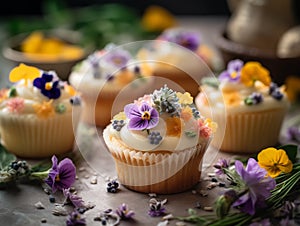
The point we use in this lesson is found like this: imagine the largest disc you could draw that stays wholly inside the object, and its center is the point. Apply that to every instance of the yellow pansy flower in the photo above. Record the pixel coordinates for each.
(44, 110)
(23, 71)
(184, 98)
(274, 161)
(253, 71)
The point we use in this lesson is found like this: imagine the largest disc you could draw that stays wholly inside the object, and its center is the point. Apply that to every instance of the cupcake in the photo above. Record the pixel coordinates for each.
(107, 79)
(39, 113)
(255, 107)
(158, 142)
(181, 56)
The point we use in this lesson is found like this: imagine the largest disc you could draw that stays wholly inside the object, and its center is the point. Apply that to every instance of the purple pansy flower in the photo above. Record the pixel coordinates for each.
(73, 198)
(293, 133)
(232, 73)
(141, 116)
(187, 39)
(62, 175)
(75, 219)
(123, 212)
(118, 58)
(157, 208)
(258, 186)
(48, 87)
(263, 222)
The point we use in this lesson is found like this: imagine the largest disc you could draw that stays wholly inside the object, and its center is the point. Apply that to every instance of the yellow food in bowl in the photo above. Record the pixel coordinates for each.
(39, 47)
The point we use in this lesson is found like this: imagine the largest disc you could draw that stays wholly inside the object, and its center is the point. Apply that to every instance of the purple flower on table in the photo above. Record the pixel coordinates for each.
(157, 208)
(233, 71)
(141, 117)
(124, 212)
(293, 133)
(75, 219)
(221, 165)
(62, 175)
(48, 85)
(72, 198)
(257, 186)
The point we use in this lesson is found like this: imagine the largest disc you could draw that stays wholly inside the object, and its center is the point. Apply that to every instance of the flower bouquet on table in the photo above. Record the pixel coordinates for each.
(259, 191)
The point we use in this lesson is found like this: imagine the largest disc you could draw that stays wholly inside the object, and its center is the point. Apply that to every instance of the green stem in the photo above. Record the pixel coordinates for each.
(39, 175)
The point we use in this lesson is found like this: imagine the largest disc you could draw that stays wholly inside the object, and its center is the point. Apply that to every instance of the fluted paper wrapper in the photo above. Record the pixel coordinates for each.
(251, 132)
(161, 172)
(31, 137)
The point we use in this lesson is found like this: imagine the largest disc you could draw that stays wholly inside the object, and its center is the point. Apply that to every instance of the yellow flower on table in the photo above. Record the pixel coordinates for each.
(275, 161)
(253, 71)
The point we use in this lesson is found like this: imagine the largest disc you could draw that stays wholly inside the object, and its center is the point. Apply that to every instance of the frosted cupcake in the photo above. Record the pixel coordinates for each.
(184, 62)
(158, 142)
(107, 80)
(255, 107)
(39, 113)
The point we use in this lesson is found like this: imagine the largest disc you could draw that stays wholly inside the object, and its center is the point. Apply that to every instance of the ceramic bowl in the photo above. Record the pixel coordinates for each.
(11, 51)
(280, 68)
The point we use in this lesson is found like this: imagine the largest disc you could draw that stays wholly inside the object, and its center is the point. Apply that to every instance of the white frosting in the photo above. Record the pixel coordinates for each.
(217, 98)
(33, 96)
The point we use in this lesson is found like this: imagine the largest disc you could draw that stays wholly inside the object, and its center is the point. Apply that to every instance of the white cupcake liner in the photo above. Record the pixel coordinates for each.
(251, 132)
(32, 137)
(156, 171)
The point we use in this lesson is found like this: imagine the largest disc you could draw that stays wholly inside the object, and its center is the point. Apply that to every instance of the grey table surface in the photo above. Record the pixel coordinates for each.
(17, 202)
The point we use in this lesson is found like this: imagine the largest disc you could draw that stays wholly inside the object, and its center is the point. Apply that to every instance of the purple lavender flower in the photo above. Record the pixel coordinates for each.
(124, 212)
(221, 165)
(75, 219)
(141, 117)
(72, 198)
(232, 73)
(118, 58)
(61, 175)
(257, 186)
(48, 87)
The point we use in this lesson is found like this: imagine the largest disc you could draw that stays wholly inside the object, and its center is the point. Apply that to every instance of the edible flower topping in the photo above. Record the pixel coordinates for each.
(3, 94)
(184, 98)
(233, 71)
(118, 58)
(48, 87)
(23, 72)
(274, 161)
(15, 105)
(253, 71)
(187, 39)
(257, 186)
(45, 109)
(141, 117)
(61, 175)
(166, 100)
(154, 137)
(254, 98)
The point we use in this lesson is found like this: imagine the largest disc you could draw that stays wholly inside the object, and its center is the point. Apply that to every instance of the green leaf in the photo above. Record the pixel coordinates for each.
(5, 157)
(291, 151)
